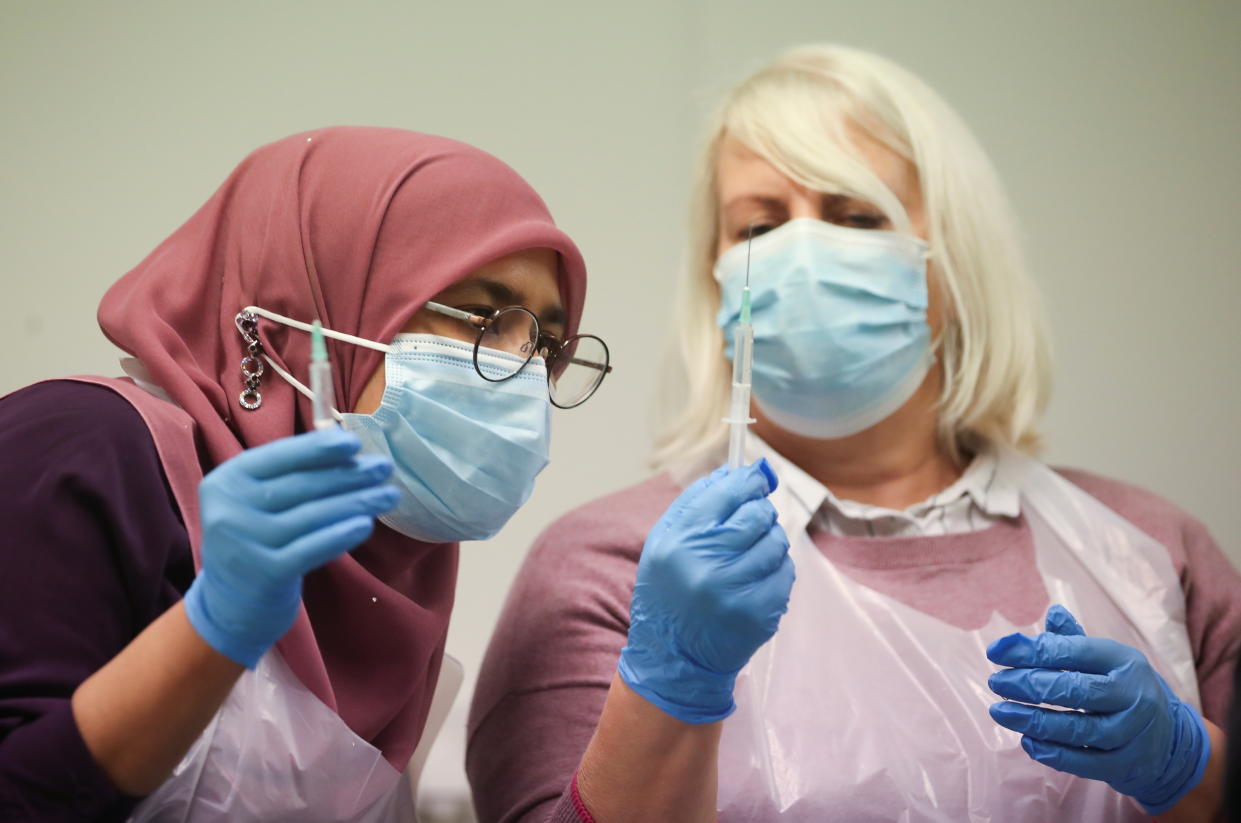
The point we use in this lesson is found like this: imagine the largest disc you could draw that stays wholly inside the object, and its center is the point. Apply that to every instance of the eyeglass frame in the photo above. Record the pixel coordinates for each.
(540, 347)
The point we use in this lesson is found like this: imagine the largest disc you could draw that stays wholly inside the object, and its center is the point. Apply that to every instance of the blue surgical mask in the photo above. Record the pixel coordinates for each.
(466, 450)
(841, 339)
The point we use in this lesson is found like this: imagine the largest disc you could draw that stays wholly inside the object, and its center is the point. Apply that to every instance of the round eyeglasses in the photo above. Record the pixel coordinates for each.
(575, 366)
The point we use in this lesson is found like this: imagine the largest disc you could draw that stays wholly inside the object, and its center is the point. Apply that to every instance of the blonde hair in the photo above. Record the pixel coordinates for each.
(794, 113)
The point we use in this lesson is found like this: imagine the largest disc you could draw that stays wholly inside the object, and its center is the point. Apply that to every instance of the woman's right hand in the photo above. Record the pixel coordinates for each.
(270, 515)
(713, 581)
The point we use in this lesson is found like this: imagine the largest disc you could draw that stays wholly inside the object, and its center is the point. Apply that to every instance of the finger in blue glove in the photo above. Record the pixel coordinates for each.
(269, 516)
(1127, 728)
(712, 583)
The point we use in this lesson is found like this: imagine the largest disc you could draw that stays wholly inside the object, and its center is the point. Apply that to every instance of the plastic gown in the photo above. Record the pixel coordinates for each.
(864, 709)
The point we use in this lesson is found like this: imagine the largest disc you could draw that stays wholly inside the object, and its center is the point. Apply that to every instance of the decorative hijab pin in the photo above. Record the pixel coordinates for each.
(252, 363)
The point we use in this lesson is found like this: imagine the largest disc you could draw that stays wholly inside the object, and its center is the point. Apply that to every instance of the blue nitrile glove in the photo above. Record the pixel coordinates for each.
(712, 583)
(270, 515)
(1133, 733)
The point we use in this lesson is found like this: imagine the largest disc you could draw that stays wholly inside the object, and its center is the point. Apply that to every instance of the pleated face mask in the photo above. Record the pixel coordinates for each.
(841, 339)
(466, 450)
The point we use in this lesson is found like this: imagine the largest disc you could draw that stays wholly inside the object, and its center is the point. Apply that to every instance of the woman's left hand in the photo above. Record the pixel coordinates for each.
(1132, 732)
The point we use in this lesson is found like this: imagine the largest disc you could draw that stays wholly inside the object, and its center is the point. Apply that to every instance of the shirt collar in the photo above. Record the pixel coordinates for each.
(988, 480)
(985, 481)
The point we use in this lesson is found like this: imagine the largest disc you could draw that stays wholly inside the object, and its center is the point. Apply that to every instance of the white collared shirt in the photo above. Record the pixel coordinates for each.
(980, 497)
(983, 494)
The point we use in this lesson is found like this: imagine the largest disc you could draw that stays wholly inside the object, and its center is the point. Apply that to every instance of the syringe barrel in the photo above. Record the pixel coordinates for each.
(743, 356)
(321, 388)
(739, 401)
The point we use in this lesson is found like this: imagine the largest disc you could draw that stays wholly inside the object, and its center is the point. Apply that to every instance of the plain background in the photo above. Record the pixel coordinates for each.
(1115, 126)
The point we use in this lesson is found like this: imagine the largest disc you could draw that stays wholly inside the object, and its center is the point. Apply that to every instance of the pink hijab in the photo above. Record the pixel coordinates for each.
(358, 227)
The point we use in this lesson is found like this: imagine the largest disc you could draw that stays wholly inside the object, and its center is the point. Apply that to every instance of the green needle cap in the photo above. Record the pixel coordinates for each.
(318, 349)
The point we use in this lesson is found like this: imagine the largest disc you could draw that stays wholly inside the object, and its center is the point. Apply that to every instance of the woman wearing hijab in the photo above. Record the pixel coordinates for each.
(900, 369)
(196, 603)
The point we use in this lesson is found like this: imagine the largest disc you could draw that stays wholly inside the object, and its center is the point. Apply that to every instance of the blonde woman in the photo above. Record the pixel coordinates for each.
(900, 369)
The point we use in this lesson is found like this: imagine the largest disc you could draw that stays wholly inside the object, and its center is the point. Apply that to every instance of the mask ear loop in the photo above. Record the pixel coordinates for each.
(306, 327)
(301, 387)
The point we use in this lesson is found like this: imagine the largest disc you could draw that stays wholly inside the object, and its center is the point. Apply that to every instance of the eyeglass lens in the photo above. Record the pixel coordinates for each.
(514, 330)
(576, 371)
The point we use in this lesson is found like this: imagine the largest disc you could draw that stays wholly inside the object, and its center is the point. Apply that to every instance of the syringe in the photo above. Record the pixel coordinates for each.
(743, 353)
(320, 380)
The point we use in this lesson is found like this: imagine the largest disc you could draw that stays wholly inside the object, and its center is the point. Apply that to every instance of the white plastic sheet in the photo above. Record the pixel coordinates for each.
(864, 709)
(275, 753)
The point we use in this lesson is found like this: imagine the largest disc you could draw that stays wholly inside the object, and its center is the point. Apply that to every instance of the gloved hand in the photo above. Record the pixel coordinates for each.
(712, 583)
(1134, 734)
(270, 515)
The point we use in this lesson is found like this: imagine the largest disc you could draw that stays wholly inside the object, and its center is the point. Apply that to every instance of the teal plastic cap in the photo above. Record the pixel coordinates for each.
(318, 349)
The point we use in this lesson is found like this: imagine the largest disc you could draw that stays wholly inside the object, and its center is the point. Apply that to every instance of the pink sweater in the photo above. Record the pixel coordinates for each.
(555, 648)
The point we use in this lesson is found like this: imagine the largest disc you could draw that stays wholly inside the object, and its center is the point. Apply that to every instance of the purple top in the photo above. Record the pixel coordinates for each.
(553, 655)
(94, 550)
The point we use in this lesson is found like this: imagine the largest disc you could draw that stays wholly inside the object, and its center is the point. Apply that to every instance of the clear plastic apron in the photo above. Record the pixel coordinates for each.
(275, 753)
(864, 709)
